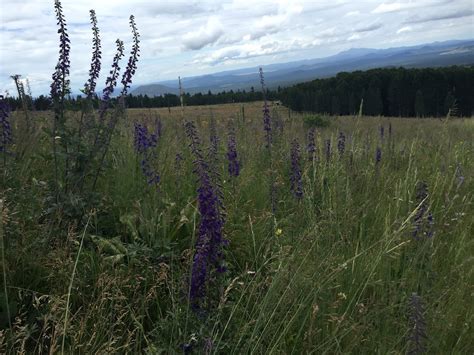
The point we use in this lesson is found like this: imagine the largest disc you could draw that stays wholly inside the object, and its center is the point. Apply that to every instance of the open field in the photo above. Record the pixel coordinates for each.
(373, 255)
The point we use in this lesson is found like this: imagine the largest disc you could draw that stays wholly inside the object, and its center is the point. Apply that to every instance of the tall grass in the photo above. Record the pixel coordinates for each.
(335, 276)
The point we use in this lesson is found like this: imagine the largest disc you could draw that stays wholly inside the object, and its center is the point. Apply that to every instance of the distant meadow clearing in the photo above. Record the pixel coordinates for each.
(231, 229)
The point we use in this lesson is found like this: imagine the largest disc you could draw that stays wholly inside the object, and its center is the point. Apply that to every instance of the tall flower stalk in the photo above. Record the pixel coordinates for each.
(233, 162)
(311, 145)
(296, 184)
(5, 129)
(328, 151)
(59, 90)
(212, 154)
(87, 121)
(378, 156)
(214, 164)
(110, 84)
(24, 99)
(417, 333)
(94, 71)
(145, 144)
(60, 84)
(267, 120)
(208, 256)
(341, 144)
(267, 127)
(132, 60)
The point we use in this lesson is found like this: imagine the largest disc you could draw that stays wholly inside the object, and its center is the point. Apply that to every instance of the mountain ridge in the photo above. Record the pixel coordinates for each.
(434, 54)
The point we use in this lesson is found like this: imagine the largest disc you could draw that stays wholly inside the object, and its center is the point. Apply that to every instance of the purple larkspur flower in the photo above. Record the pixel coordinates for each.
(213, 144)
(430, 225)
(208, 346)
(296, 185)
(132, 61)
(382, 132)
(111, 80)
(5, 126)
(94, 71)
(213, 163)
(341, 143)
(208, 255)
(328, 150)
(417, 333)
(144, 144)
(378, 156)
(267, 120)
(140, 138)
(60, 84)
(232, 158)
(311, 145)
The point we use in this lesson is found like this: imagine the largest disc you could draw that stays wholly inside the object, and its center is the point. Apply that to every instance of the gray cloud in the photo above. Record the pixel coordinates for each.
(369, 28)
(439, 17)
(182, 8)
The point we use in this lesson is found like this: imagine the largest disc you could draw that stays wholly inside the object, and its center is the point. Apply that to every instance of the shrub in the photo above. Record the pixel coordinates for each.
(312, 120)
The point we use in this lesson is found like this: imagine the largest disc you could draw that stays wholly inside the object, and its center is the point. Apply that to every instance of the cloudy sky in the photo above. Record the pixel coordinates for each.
(189, 38)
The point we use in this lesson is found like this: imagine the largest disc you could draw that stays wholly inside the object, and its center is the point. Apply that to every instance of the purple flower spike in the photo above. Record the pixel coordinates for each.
(417, 325)
(295, 177)
(5, 127)
(132, 61)
(378, 156)
(111, 80)
(144, 144)
(94, 71)
(208, 255)
(267, 120)
(60, 84)
(328, 150)
(233, 161)
(311, 146)
(341, 144)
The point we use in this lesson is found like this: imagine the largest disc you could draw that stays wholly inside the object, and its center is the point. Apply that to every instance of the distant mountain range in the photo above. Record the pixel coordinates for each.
(435, 54)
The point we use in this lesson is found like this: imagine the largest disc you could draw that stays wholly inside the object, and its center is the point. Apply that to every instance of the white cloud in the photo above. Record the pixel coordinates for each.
(392, 7)
(352, 13)
(404, 29)
(204, 36)
(354, 37)
(238, 53)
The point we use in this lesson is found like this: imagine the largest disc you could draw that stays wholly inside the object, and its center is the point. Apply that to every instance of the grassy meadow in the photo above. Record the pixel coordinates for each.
(360, 263)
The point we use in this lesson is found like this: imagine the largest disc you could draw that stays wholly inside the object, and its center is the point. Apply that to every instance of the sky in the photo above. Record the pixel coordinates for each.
(189, 38)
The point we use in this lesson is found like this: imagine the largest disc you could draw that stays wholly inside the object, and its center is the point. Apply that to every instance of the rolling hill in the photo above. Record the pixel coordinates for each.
(426, 55)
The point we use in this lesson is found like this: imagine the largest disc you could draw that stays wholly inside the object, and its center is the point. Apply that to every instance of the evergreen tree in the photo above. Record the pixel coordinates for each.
(449, 103)
(419, 104)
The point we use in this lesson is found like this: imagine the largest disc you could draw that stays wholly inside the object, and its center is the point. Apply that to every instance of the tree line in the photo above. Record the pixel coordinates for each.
(42, 102)
(400, 92)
